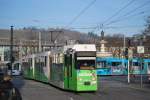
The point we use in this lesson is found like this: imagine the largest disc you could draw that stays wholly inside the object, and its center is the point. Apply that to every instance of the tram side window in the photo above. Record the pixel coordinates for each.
(45, 61)
(16, 66)
(42, 61)
(53, 60)
(36, 62)
(135, 64)
(142, 65)
(60, 60)
(25, 64)
(125, 64)
(101, 64)
(65, 60)
(30, 62)
(116, 63)
(70, 64)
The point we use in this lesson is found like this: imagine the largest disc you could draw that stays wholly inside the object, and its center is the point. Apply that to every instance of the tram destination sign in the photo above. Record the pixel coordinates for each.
(86, 54)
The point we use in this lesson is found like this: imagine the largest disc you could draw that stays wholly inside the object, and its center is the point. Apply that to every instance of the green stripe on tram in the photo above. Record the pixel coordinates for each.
(40, 76)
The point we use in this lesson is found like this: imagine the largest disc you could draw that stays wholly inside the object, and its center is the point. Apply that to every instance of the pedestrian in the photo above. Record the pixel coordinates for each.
(7, 90)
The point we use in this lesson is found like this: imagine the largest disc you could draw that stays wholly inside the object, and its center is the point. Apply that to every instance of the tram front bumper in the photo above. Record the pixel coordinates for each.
(87, 86)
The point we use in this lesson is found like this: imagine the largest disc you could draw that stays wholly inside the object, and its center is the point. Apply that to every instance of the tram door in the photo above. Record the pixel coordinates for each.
(68, 70)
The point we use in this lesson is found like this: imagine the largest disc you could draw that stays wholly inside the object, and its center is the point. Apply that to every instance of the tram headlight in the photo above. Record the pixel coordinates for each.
(94, 79)
(93, 82)
(79, 79)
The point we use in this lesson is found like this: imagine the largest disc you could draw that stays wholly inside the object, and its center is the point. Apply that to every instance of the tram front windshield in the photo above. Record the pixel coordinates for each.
(86, 64)
(116, 63)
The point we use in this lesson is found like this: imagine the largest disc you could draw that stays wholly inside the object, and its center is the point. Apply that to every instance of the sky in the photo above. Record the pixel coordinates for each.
(113, 16)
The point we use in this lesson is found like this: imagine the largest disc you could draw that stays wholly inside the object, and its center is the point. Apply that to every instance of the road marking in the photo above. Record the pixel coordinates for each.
(141, 89)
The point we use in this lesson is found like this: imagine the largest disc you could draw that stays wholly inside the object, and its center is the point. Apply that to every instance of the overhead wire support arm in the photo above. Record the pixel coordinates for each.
(11, 50)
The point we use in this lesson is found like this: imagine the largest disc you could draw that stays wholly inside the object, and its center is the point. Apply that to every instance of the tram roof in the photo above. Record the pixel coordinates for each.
(146, 60)
(112, 59)
(81, 47)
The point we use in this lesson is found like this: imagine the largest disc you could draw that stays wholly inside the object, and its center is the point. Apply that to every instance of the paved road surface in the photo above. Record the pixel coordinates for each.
(108, 90)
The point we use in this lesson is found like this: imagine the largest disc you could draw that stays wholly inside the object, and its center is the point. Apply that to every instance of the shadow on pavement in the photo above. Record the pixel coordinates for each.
(18, 82)
(135, 80)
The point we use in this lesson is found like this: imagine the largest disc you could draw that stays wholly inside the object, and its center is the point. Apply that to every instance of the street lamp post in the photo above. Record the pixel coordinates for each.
(141, 60)
(129, 59)
(11, 50)
(140, 50)
(141, 76)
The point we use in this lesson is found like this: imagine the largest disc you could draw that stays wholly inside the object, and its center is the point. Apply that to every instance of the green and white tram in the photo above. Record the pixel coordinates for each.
(71, 68)
(27, 66)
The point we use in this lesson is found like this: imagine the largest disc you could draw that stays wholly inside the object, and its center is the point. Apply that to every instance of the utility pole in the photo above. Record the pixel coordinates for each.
(20, 49)
(51, 33)
(124, 42)
(141, 76)
(39, 41)
(141, 60)
(128, 71)
(129, 44)
(11, 50)
(124, 49)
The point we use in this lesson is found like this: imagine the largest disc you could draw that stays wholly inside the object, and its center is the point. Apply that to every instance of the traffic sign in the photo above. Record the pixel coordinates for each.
(140, 49)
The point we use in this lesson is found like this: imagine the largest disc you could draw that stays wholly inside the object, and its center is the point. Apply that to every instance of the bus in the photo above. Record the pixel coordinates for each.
(72, 67)
(111, 66)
